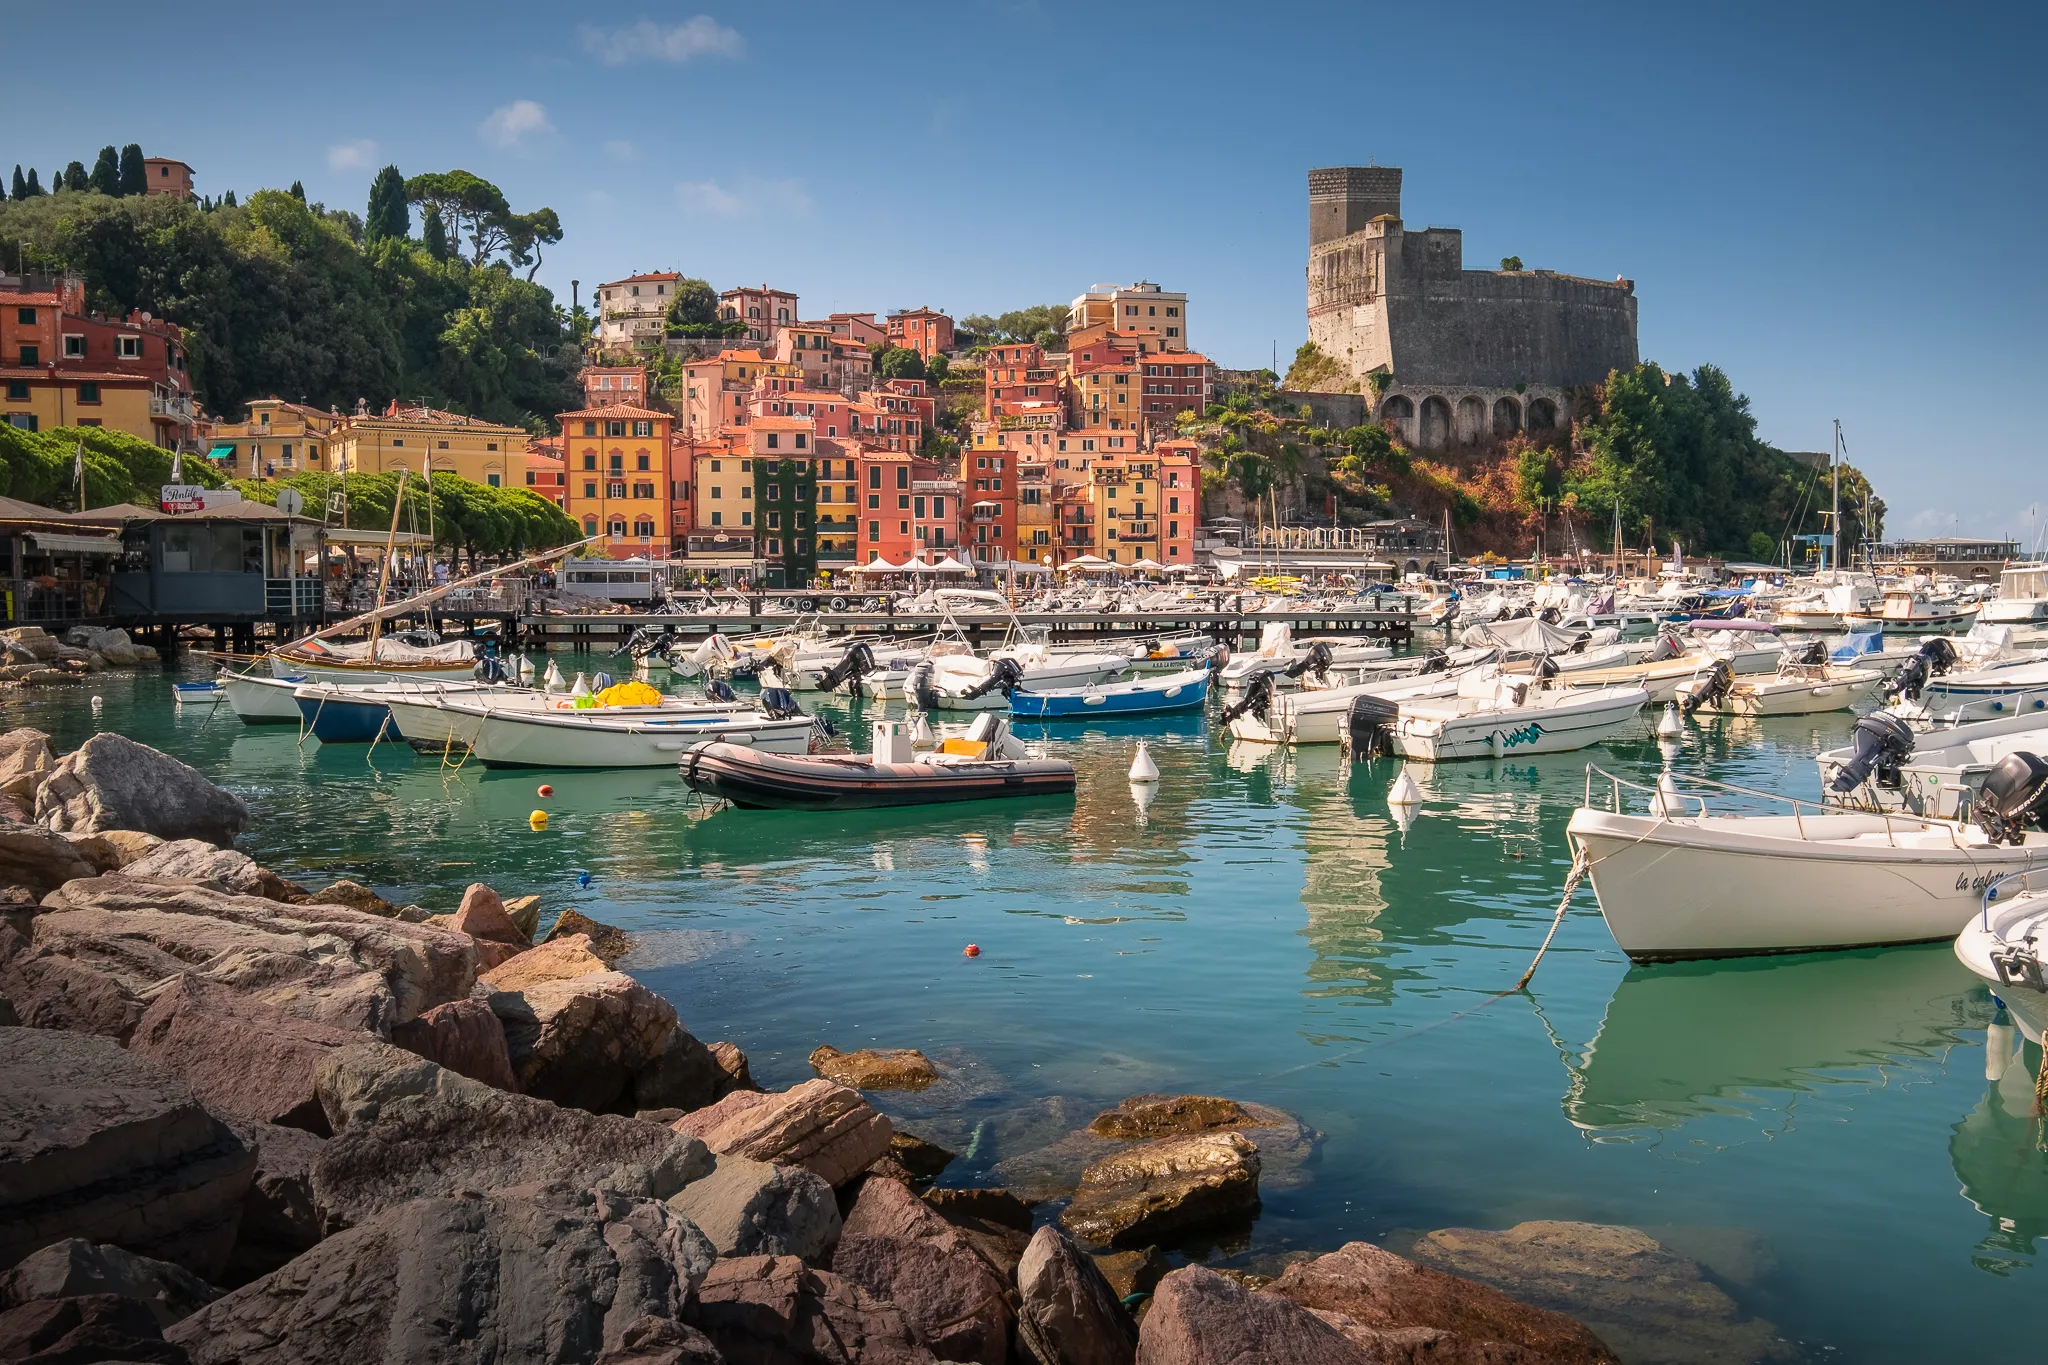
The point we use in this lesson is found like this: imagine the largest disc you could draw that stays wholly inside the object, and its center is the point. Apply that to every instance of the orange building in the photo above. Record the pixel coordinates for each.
(923, 330)
(62, 366)
(605, 384)
(620, 481)
(166, 176)
(762, 309)
(884, 478)
(1173, 383)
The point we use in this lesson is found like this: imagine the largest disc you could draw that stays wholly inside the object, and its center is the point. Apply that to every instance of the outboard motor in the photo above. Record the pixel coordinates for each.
(1720, 678)
(855, 664)
(778, 704)
(1003, 673)
(1667, 647)
(1436, 661)
(1369, 727)
(1585, 637)
(2015, 792)
(718, 689)
(1883, 742)
(1816, 652)
(1257, 698)
(918, 687)
(1316, 661)
(1934, 658)
(489, 669)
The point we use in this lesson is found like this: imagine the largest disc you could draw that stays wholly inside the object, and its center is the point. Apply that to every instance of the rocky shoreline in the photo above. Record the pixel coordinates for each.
(246, 1121)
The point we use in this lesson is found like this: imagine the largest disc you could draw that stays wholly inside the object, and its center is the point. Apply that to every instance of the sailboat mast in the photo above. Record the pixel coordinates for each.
(1835, 517)
(384, 574)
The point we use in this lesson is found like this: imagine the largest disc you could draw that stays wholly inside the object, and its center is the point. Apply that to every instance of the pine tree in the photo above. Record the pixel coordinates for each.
(389, 215)
(134, 175)
(106, 173)
(435, 234)
(20, 185)
(74, 177)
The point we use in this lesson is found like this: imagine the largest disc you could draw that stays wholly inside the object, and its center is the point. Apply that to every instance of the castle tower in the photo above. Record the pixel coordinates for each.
(1343, 199)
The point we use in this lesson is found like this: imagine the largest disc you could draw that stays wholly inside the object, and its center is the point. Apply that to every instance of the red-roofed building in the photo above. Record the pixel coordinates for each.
(923, 330)
(762, 309)
(621, 483)
(633, 312)
(603, 384)
(62, 366)
(544, 471)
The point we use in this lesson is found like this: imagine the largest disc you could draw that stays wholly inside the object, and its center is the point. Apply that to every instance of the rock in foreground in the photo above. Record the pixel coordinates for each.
(102, 1144)
(88, 1329)
(111, 782)
(555, 1275)
(756, 1208)
(1157, 1191)
(74, 1266)
(900, 1068)
(897, 1248)
(777, 1309)
(1201, 1318)
(240, 1056)
(581, 1042)
(825, 1128)
(1069, 1314)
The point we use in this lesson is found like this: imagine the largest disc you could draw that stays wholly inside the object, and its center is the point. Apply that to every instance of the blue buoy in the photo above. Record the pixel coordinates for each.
(582, 879)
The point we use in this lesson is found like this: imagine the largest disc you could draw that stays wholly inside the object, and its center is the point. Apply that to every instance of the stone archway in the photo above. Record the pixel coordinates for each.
(1542, 414)
(1397, 415)
(1507, 417)
(1435, 421)
(1471, 420)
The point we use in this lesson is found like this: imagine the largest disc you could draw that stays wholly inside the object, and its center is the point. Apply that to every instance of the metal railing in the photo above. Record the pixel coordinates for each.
(1658, 798)
(293, 597)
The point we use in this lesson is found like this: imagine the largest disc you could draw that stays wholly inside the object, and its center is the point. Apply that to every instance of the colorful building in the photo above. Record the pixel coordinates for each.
(620, 484)
(633, 312)
(410, 437)
(762, 309)
(1153, 317)
(276, 439)
(545, 471)
(167, 176)
(62, 366)
(605, 384)
(924, 330)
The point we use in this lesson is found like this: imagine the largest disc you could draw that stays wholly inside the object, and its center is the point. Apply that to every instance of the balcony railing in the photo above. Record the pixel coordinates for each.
(180, 408)
(292, 598)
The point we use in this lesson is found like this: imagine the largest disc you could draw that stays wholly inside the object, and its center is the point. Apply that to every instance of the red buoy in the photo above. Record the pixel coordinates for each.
(973, 950)
(546, 790)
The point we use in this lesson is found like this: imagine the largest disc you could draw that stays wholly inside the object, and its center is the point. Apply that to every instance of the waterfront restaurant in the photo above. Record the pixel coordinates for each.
(236, 563)
(57, 569)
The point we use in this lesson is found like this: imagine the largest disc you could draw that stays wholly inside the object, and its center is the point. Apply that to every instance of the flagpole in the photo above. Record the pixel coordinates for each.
(78, 463)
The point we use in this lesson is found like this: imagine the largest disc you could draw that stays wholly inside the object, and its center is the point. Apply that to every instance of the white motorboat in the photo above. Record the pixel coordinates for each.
(1660, 678)
(2004, 943)
(507, 738)
(1324, 715)
(434, 720)
(258, 700)
(1979, 676)
(1696, 885)
(1796, 689)
(2022, 601)
(1831, 607)
(962, 682)
(1492, 716)
(1890, 766)
(1278, 650)
(1912, 611)
(388, 659)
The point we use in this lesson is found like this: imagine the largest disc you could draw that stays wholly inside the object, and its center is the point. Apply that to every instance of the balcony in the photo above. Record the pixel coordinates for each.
(291, 598)
(179, 409)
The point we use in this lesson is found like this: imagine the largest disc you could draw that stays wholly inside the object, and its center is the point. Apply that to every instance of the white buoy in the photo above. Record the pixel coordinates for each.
(1404, 816)
(1404, 792)
(1667, 801)
(526, 670)
(1143, 769)
(1143, 793)
(97, 703)
(581, 687)
(1670, 727)
(1997, 1049)
(555, 681)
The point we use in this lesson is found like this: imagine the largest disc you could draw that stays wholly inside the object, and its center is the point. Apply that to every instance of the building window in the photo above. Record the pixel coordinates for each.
(615, 428)
(529, 478)
(17, 391)
(799, 440)
(31, 356)
(89, 392)
(74, 346)
(746, 518)
(590, 428)
(615, 489)
(774, 441)
(617, 526)
(25, 316)
(643, 428)
(490, 445)
(590, 526)
(589, 488)
(874, 530)
(400, 444)
(641, 463)
(718, 518)
(590, 459)
(491, 479)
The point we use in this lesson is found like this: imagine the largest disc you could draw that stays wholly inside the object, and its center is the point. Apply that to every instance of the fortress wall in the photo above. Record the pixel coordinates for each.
(1496, 330)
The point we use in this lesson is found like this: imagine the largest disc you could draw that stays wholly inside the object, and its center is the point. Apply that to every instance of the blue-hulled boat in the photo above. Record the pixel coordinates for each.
(1183, 691)
(339, 714)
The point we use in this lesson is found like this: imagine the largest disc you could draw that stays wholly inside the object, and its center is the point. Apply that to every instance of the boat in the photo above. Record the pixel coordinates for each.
(1890, 766)
(257, 700)
(1976, 677)
(985, 764)
(1183, 691)
(387, 659)
(2022, 601)
(335, 713)
(1494, 714)
(198, 693)
(1797, 689)
(962, 682)
(1173, 653)
(1832, 607)
(1279, 651)
(439, 718)
(2003, 944)
(1330, 715)
(1915, 611)
(612, 738)
(1687, 884)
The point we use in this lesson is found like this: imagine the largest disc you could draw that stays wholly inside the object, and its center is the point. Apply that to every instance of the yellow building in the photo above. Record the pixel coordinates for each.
(1126, 496)
(278, 438)
(482, 452)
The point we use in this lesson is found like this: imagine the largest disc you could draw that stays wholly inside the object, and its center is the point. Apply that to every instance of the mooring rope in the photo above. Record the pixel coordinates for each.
(1580, 864)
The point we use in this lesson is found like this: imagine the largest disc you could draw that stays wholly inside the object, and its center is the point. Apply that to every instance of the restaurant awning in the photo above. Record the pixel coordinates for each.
(57, 542)
(222, 452)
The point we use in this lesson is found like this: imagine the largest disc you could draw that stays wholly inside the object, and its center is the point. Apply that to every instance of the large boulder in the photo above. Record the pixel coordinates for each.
(1067, 1312)
(355, 896)
(1156, 1191)
(74, 1266)
(83, 1331)
(26, 759)
(1401, 1311)
(896, 1068)
(99, 1143)
(662, 1341)
(607, 942)
(464, 1036)
(995, 1222)
(559, 959)
(898, 1249)
(525, 914)
(407, 1129)
(111, 782)
(554, 1273)
(756, 1208)
(1143, 1117)
(279, 1217)
(482, 916)
(1647, 1302)
(825, 1128)
(223, 869)
(1198, 1317)
(318, 962)
(685, 1076)
(777, 1309)
(1049, 1170)
(39, 859)
(30, 644)
(581, 1042)
(240, 1056)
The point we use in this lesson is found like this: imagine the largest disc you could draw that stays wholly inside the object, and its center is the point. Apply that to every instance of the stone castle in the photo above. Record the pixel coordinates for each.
(1445, 355)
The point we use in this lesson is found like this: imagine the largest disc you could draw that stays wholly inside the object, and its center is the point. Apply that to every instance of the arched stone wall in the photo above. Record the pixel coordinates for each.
(1397, 414)
(1471, 420)
(1542, 414)
(1434, 419)
(1507, 417)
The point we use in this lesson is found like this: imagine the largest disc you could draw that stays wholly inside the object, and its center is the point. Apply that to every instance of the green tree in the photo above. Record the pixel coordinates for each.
(1535, 477)
(1314, 370)
(389, 215)
(134, 174)
(229, 199)
(20, 185)
(74, 178)
(106, 173)
(1511, 263)
(692, 309)
(435, 233)
(1762, 548)
(937, 368)
(527, 233)
(298, 191)
(899, 362)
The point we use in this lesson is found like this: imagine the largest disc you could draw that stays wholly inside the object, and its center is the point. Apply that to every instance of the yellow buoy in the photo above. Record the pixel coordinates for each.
(539, 819)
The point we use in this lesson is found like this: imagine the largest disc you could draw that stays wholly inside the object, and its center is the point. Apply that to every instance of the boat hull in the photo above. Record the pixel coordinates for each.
(1673, 890)
(761, 781)
(514, 740)
(1793, 697)
(1173, 692)
(2028, 1006)
(263, 701)
(334, 718)
(1537, 730)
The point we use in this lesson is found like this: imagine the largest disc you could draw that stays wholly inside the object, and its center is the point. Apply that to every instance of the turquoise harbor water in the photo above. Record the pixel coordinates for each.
(1820, 1131)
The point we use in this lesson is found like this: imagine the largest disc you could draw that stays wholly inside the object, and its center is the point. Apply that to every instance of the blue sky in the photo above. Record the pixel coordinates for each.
(1841, 205)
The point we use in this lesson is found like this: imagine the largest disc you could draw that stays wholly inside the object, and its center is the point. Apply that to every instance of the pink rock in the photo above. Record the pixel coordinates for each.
(464, 1036)
(825, 1128)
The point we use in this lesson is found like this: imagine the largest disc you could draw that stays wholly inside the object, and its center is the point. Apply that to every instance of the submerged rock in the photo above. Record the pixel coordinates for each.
(355, 896)
(1069, 1314)
(100, 1143)
(582, 1041)
(608, 943)
(875, 1068)
(825, 1128)
(1646, 1302)
(1051, 1169)
(1155, 1116)
(1158, 1191)
(756, 1208)
(1198, 1317)
(555, 1274)
(1401, 1311)
(111, 782)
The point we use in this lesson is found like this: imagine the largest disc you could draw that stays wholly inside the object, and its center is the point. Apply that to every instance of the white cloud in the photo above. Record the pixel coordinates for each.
(743, 199)
(619, 150)
(351, 156)
(648, 41)
(512, 124)
(1933, 521)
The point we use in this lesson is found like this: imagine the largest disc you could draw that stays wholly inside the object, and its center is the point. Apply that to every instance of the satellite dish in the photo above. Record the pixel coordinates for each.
(291, 502)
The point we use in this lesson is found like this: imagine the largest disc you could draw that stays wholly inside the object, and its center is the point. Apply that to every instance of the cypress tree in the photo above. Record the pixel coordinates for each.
(228, 199)
(299, 191)
(435, 234)
(33, 188)
(106, 173)
(74, 178)
(20, 185)
(389, 215)
(134, 175)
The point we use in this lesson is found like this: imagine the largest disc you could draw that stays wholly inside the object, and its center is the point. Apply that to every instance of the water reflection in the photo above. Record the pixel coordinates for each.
(2000, 1154)
(1744, 1040)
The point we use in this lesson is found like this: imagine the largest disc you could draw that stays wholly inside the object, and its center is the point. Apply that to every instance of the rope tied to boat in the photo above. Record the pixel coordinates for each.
(2041, 1084)
(1580, 865)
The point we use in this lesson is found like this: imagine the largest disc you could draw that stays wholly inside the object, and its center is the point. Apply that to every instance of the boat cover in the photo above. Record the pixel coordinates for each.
(389, 651)
(1528, 635)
